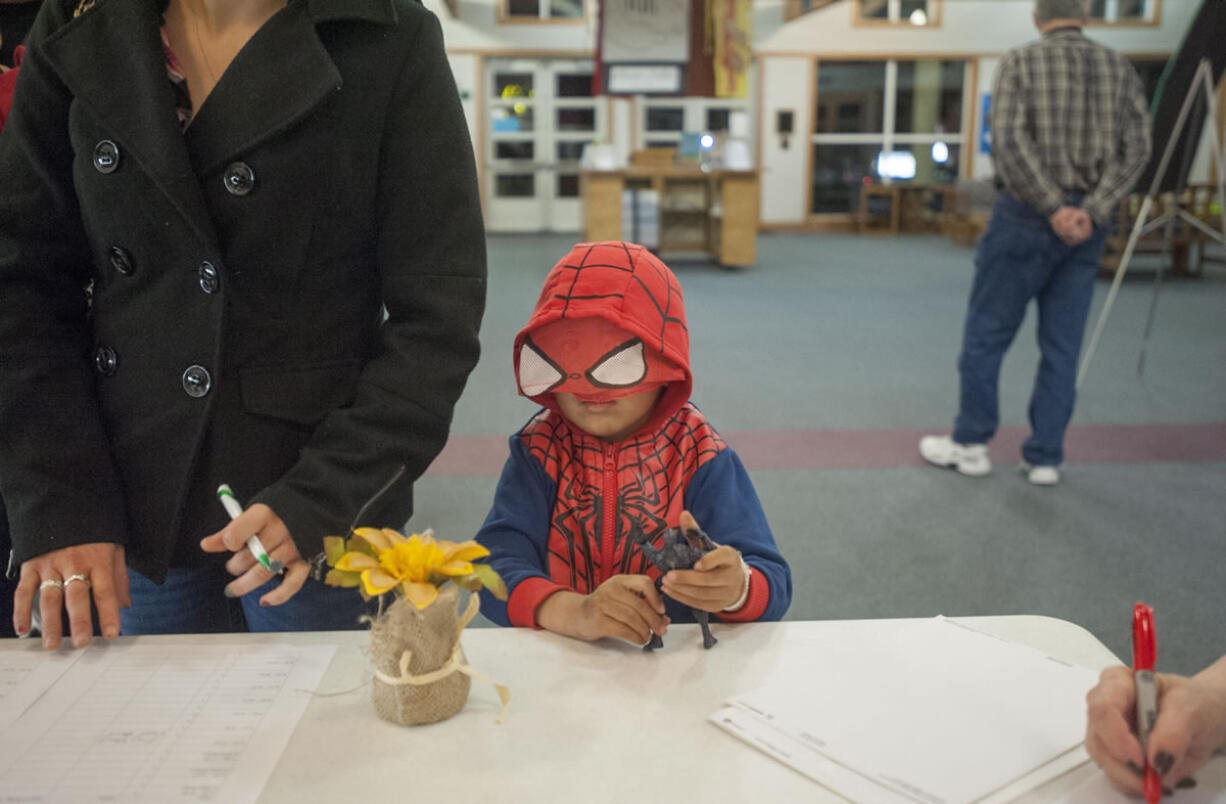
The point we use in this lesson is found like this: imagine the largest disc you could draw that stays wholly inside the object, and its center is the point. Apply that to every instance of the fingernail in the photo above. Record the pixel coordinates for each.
(1136, 771)
(110, 633)
(1163, 762)
(265, 603)
(1186, 783)
(228, 592)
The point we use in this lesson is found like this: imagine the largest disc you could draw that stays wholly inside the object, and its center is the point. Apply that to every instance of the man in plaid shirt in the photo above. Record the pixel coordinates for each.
(1070, 135)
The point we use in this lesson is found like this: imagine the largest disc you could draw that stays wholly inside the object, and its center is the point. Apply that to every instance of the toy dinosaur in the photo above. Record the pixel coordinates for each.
(681, 550)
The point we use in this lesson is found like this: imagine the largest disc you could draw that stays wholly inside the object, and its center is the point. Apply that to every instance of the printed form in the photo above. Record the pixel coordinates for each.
(928, 712)
(25, 675)
(167, 724)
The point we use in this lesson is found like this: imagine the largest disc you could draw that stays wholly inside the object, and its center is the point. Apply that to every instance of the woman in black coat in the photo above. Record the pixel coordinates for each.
(273, 279)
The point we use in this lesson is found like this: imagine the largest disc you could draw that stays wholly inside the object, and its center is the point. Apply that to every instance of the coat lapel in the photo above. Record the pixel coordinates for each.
(280, 75)
(111, 60)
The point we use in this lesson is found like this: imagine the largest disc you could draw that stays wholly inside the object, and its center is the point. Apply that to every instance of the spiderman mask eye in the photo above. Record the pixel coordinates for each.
(622, 367)
(537, 373)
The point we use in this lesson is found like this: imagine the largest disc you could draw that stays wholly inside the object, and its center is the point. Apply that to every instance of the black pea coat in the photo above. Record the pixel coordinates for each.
(286, 297)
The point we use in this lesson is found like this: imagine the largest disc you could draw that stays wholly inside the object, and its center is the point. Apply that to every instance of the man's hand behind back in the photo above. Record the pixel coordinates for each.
(1073, 225)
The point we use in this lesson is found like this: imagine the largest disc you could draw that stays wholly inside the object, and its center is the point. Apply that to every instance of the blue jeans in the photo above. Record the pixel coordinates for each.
(191, 601)
(1018, 259)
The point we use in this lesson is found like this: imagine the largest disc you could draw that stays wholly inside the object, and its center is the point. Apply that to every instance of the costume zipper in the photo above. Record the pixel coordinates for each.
(608, 505)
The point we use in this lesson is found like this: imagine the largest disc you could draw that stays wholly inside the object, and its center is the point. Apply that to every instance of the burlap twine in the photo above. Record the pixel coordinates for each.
(420, 672)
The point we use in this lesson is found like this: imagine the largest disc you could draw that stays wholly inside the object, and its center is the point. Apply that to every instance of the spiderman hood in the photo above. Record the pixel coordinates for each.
(610, 322)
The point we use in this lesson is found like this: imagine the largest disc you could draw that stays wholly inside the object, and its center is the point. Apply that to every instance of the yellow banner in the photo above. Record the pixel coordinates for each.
(731, 27)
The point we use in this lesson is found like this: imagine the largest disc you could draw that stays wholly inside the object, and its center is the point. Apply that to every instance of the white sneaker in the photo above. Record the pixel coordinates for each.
(1041, 475)
(968, 459)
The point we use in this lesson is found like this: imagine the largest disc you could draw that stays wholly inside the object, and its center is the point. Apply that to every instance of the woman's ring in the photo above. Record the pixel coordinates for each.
(50, 582)
(77, 577)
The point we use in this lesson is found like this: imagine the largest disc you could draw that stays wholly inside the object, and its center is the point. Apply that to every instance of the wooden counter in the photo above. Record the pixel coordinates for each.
(714, 212)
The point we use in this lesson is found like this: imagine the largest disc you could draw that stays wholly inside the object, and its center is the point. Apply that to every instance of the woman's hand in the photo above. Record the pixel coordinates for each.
(1191, 726)
(715, 582)
(67, 579)
(260, 520)
(628, 607)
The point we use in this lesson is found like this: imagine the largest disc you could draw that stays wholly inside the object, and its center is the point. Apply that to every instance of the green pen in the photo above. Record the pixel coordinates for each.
(233, 508)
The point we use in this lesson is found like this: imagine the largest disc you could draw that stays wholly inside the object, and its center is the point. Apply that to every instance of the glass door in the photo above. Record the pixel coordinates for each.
(541, 113)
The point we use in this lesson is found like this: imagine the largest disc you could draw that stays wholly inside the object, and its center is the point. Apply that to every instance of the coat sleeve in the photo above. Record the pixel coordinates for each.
(725, 505)
(57, 477)
(431, 263)
(516, 532)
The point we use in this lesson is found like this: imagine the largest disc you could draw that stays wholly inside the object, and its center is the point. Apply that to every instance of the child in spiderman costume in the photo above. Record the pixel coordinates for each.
(619, 444)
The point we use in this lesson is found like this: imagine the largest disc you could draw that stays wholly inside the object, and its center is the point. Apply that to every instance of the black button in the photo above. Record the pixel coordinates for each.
(121, 261)
(239, 178)
(106, 156)
(210, 280)
(196, 381)
(105, 360)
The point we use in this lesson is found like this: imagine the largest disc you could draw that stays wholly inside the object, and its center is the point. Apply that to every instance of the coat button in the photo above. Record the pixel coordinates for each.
(196, 381)
(239, 178)
(106, 156)
(105, 361)
(210, 280)
(121, 261)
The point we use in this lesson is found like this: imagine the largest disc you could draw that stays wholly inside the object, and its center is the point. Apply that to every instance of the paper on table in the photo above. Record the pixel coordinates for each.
(931, 710)
(27, 674)
(161, 724)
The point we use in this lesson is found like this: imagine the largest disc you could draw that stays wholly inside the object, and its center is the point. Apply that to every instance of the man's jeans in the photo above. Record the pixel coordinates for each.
(191, 601)
(1018, 259)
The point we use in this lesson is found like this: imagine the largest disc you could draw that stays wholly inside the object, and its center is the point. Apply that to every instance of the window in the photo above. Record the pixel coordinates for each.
(662, 121)
(885, 121)
(540, 10)
(918, 13)
(1124, 12)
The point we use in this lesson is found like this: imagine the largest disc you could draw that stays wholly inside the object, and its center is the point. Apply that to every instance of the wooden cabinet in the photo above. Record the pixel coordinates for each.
(715, 212)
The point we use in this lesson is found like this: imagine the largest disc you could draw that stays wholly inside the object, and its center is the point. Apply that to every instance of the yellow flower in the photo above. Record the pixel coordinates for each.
(385, 560)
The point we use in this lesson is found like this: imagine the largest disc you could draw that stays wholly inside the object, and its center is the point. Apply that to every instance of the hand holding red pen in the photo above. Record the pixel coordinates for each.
(1191, 726)
(1144, 654)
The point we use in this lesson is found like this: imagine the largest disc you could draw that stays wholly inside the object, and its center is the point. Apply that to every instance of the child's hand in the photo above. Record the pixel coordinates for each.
(716, 581)
(626, 606)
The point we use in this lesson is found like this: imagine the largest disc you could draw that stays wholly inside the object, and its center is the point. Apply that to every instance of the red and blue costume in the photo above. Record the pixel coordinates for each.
(609, 322)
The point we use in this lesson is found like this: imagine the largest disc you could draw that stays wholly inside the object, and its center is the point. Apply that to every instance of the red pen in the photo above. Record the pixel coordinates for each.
(1144, 652)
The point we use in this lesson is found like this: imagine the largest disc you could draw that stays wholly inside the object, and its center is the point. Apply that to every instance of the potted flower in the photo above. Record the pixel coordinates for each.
(420, 673)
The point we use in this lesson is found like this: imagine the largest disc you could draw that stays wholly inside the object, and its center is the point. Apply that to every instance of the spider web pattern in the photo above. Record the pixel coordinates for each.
(652, 475)
(642, 269)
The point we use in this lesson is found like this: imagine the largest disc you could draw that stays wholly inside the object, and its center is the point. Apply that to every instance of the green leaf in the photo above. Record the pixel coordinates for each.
(334, 548)
(359, 545)
(342, 578)
(491, 580)
(470, 582)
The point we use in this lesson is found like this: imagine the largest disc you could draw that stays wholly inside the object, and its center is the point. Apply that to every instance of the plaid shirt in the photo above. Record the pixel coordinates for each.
(1068, 115)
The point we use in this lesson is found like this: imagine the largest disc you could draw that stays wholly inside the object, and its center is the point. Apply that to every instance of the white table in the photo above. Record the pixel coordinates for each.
(587, 723)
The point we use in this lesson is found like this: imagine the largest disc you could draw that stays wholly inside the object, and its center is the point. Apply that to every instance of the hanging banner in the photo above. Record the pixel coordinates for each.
(731, 24)
(645, 31)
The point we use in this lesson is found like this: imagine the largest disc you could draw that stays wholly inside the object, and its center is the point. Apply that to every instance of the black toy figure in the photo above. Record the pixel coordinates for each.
(681, 550)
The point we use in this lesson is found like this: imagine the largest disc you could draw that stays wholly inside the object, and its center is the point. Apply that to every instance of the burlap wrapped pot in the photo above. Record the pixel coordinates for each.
(431, 636)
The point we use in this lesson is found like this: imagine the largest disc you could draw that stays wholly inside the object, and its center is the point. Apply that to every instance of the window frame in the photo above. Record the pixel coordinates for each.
(505, 17)
(964, 137)
(1153, 17)
(894, 18)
